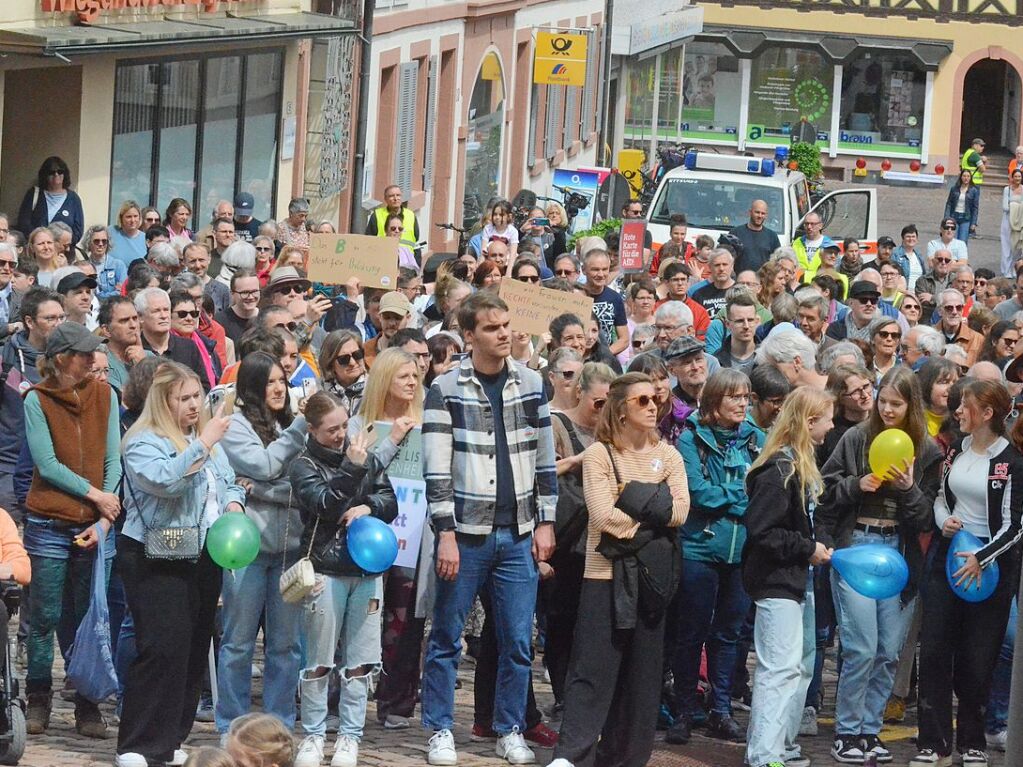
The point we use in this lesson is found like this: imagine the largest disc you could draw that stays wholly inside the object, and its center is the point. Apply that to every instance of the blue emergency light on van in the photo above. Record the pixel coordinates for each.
(781, 154)
(729, 163)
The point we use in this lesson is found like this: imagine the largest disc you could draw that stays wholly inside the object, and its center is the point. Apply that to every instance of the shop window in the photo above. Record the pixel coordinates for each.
(202, 128)
(882, 105)
(670, 93)
(639, 102)
(484, 137)
(788, 87)
(711, 93)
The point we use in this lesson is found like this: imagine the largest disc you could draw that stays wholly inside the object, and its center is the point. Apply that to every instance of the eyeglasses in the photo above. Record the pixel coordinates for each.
(863, 391)
(889, 335)
(534, 278)
(395, 229)
(345, 359)
(948, 228)
(100, 371)
(185, 313)
(285, 289)
(7, 263)
(597, 404)
(913, 307)
(264, 250)
(643, 400)
(104, 243)
(289, 326)
(152, 220)
(638, 344)
(886, 275)
(953, 308)
(246, 293)
(1010, 341)
(942, 260)
(564, 272)
(666, 328)
(869, 300)
(568, 375)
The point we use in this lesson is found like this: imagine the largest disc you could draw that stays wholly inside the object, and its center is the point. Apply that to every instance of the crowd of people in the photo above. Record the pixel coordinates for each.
(643, 495)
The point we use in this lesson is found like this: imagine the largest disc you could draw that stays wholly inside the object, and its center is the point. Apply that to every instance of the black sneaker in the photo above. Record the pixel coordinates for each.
(680, 732)
(871, 744)
(724, 727)
(847, 750)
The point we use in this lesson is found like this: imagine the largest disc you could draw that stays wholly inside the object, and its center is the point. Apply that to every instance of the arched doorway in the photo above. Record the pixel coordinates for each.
(991, 105)
(484, 138)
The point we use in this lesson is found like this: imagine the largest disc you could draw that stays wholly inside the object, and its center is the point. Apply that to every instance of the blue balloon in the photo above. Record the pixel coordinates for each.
(873, 570)
(966, 542)
(372, 544)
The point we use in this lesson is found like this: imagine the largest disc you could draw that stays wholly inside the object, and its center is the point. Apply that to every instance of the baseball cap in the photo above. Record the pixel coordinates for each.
(395, 302)
(683, 347)
(862, 289)
(885, 241)
(244, 204)
(74, 281)
(71, 337)
(978, 141)
(829, 244)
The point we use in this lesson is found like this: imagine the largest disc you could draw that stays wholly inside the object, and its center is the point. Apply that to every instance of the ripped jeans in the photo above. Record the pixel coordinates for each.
(348, 609)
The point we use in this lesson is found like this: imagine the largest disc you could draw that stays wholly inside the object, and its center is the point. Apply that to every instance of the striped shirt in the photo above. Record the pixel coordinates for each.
(661, 463)
(460, 456)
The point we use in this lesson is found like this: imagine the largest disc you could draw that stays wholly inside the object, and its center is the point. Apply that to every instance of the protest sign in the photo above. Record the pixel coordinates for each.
(630, 245)
(335, 258)
(532, 307)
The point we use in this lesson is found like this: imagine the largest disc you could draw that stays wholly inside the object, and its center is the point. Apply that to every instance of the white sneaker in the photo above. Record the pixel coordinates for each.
(179, 758)
(395, 722)
(442, 749)
(974, 757)
(998, 740)
(130, 759)
(808, 724)
(346, 752)
(513, 749)
(310, 752)
(561, 763)
(928, 757)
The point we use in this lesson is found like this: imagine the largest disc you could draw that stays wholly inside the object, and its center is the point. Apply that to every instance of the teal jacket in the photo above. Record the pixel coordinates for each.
(714, 530)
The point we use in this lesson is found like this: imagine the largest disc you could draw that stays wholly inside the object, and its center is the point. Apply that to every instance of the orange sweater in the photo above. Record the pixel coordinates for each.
(12, 552)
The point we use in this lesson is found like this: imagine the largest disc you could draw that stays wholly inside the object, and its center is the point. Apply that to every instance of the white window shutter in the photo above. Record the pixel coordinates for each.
(405, 143)
(554, 117)
(571, 115)
(431, 122)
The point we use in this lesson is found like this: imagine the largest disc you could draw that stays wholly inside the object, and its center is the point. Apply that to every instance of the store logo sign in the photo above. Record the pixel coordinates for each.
(89, 10)
(560, 59)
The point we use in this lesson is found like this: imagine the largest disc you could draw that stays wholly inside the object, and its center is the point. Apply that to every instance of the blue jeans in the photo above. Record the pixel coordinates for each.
(247, 592)
(503, 562)
(872, 633)
(998, 703)
(712, 606)
(784, 637)
(963, 223)
(348, 609)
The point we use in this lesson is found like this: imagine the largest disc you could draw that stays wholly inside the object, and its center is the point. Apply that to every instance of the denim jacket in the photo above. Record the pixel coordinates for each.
(159, 487)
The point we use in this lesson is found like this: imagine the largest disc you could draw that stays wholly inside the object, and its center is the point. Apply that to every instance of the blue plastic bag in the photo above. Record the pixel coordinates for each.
(91, 670)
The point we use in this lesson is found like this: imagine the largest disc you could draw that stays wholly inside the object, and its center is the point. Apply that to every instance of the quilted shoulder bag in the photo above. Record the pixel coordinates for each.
(173, 543)
(297, 582)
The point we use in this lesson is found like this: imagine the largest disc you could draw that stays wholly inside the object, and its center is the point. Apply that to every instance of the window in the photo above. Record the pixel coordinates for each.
(670, 93)
(201, 128)
(787, 86)
(882, 105)
(639, 102)
(712, 93)
(484, 136)
(717, 204)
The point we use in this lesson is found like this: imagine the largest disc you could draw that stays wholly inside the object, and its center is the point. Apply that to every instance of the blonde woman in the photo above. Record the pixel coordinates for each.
(42, 248)
(176, 475)
(127, 240)
(636, 493)
(784, 486)
(394, 396)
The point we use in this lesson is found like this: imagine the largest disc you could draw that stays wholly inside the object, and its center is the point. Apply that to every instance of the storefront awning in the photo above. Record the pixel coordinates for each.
(109, 38)
(745, 42)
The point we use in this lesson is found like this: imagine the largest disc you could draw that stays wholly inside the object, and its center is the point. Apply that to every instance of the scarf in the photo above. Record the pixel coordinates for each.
(207, 363)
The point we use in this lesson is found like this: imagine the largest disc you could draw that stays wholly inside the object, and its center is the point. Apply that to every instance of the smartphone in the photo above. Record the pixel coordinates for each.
(216, 397)
(309, 387)
(541, 222)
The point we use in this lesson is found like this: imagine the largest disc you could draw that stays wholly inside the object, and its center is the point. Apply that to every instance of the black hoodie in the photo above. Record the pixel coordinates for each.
(779, 533)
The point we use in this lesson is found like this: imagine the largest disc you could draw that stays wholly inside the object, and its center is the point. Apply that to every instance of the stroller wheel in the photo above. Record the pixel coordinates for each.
(11, 753)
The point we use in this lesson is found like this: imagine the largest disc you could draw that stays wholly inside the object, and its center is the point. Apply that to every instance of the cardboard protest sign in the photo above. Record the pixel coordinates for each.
(335, 258)
(532, 307)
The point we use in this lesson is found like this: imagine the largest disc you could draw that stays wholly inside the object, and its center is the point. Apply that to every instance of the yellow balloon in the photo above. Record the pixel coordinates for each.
(889, 448)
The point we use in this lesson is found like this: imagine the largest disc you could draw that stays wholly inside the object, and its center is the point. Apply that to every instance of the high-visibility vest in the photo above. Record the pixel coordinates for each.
(408, 220)
(978, 175)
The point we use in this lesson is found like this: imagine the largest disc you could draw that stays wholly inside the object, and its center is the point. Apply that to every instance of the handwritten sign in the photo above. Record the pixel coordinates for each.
(335, 258)
(406, 474)
(532, 308)
(630, 246)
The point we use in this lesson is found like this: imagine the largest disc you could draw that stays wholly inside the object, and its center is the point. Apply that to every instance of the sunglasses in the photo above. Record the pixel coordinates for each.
(296, 289)
(911, 307)
(948, 228)
(8, 263)
(643, 400)
(568, 375)
(289, 326)
(534, 278)
(104, 243)
(345, 359)
(264, 250)
(891, 335)
(638, 344)
(152, 220)
(564, 272)
(953, 307)
(599, 403)
(869, 300)
(943, 260)
(1010, 341)
(184, 313)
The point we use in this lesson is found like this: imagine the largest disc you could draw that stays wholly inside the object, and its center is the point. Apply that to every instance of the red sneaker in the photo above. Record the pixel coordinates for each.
(542, 735)
(479, 732)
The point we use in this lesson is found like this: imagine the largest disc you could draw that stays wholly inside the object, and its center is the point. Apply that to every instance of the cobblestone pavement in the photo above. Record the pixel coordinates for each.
(62, 746)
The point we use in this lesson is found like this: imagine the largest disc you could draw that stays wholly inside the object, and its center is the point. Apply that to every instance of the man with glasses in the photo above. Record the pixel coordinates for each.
(223, 236)
(224, 211)
(768, 389)
(567, 267)
(807, 245)
(411, 284)
(953, 325)
(633, 210)
(393, 206)
(863, 299)
(240, 315)
(197, 261)
(920, 344)
(741, 320)
(687, 362)
(413, 341)
(934, 281)
(110, 272)
(672, 320)
(891, 280)
(677, 277)
(41, 313)
(8, 263)
(1007, 309)
(947, 240)
(394, 315)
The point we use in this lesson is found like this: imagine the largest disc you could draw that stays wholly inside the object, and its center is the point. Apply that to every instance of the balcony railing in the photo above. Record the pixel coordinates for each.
(994, 11)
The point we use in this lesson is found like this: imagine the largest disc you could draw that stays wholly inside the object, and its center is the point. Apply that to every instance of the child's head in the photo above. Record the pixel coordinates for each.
(260, 740)
(210, 757)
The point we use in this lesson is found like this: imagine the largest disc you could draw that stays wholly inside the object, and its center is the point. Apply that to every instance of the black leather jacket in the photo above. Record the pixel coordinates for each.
(326, 485)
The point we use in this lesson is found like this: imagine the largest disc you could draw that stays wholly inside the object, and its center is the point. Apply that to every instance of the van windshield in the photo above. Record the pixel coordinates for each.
(716, 204)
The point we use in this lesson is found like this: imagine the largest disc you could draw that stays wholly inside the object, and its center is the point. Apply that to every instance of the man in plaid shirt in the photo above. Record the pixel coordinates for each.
(492, 492)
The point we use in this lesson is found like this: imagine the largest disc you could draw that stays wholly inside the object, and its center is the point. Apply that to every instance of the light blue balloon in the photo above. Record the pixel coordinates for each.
(873, 570)
(965, 541)
(372, 544)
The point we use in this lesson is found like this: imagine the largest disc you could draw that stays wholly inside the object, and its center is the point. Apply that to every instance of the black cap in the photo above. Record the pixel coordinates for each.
(863, 288)
(885, 241)
(71, 337)
(74, 281)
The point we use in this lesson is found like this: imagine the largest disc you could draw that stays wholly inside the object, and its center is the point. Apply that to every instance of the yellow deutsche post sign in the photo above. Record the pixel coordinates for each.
(560, 59)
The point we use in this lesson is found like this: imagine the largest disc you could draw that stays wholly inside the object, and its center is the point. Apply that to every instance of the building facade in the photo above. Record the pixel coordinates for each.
(149, 100)
(455, 117)
(911, 81)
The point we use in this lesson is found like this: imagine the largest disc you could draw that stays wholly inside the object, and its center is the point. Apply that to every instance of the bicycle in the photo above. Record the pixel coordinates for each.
(463, 241)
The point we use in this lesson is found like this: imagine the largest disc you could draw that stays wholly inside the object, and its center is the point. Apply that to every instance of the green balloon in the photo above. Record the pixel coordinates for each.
(233, 541)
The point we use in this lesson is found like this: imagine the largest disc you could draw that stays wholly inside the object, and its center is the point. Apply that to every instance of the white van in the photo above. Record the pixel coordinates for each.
(715, 191)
